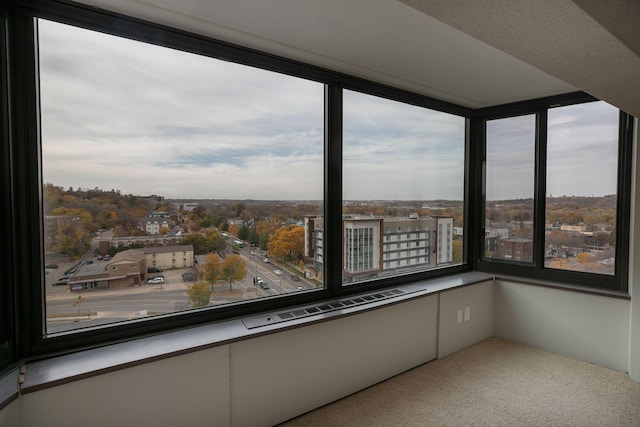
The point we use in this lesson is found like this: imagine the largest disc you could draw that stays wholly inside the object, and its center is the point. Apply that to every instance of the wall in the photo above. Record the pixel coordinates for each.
(188, 390)
(454, 335)
(584, 326)
(269, 379)
(256, 382)
(10, 415)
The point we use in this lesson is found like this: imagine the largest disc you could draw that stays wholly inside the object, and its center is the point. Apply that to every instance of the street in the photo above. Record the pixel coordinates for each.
(65, 311)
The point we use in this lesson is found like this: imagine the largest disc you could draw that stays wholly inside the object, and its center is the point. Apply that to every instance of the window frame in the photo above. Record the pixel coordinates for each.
(24, 142)
(536, 269)
(21, 301)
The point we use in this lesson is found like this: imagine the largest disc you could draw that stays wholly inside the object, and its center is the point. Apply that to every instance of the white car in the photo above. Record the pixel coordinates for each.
(278, 272)
(155, 281)
(266, 260)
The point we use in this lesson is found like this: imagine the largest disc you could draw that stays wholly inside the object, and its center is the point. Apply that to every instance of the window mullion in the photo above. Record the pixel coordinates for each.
(333, 188)
(540, 189)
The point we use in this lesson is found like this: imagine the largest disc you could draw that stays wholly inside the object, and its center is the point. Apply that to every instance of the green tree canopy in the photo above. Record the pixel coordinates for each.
(199, 294)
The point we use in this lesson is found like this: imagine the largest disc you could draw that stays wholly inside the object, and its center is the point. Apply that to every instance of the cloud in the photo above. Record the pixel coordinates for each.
(144, 119)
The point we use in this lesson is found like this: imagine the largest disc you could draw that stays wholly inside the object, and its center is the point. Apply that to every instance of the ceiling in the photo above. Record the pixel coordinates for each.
(472, 53)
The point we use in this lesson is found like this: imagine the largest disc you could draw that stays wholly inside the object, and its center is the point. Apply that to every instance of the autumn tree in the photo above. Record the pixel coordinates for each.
(287, 242)
(212, 269)
(234, 269)
(71, 238)
(199, 294)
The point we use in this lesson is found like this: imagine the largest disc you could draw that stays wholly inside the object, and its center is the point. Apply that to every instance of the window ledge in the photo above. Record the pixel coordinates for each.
(9, 387)
(59, 370)
(564, 286)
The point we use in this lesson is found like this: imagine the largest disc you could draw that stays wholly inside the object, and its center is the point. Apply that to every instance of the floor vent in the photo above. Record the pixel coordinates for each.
(269, 319)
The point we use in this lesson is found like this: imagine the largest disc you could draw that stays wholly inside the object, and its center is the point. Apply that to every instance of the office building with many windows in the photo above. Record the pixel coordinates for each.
(378, 247)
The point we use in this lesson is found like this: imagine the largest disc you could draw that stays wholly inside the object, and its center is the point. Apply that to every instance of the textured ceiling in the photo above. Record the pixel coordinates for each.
(473, 53)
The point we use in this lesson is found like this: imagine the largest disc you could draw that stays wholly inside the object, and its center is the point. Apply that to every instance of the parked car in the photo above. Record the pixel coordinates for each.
(51, 266)
(189, 276)
(107, 257)
(264, 285)
(278, 272)
(156, 280)
(295, 277)
(266, 260)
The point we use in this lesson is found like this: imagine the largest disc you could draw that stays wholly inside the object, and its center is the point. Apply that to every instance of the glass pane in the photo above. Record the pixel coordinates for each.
(509, 184)
(171, 180)
(582, 170)
(403, 206)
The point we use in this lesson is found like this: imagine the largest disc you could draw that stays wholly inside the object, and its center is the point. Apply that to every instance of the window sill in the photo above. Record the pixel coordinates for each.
(564, 286)
(88, 363)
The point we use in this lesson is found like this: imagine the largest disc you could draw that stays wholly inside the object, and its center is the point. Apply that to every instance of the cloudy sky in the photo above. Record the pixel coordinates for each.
(582, 147)
(142, 119)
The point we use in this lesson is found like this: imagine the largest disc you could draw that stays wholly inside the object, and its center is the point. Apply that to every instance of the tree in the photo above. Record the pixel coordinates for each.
(234, 269)
(198, 241)
(212, 270)
(216, 242)
(456, 247)
(287, 242)
(71, 239)
(199, 294)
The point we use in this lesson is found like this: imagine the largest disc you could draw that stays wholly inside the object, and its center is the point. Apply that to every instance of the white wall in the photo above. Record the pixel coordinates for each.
(277, 377)
(10, 415)
(269, 379)
(454, 335)
(584, 326)
(256, 382)
(188, 390)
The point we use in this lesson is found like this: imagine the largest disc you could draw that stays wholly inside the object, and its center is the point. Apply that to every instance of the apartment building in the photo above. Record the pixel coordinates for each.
(378, 247)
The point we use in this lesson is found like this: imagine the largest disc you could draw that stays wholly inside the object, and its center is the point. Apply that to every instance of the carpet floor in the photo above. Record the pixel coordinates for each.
(493, 383)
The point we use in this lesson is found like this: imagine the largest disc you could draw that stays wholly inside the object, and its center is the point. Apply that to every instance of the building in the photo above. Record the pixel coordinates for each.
(166, 257)
(126, 269)
(465, 53)
(155, 224)
(516, 248)
(374, 247)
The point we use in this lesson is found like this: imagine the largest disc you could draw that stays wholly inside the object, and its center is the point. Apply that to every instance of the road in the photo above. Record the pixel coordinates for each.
(101, 306)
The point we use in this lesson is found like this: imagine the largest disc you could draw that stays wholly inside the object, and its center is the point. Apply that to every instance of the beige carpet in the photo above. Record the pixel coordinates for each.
(493, 383)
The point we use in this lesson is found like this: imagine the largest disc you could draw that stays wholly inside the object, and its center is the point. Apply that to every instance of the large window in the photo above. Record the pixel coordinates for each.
(404, 179)
(509, 188)
(159, 180)
(582, 177)
(552, 202)
(171, 180)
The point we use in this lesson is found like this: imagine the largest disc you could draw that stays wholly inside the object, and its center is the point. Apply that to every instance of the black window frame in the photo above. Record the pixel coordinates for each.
(22, 322)
(536, 269)
(31, 340)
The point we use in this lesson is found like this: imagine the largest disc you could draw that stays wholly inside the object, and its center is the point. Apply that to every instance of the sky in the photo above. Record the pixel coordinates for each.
(582, 150)
(142, 119)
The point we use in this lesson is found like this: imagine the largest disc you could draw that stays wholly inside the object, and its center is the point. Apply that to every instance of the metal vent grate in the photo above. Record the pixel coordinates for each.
(269, 319)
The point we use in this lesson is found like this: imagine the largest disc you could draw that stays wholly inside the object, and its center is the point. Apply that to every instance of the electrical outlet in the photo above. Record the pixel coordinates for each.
(467, 314)
(459, 316)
